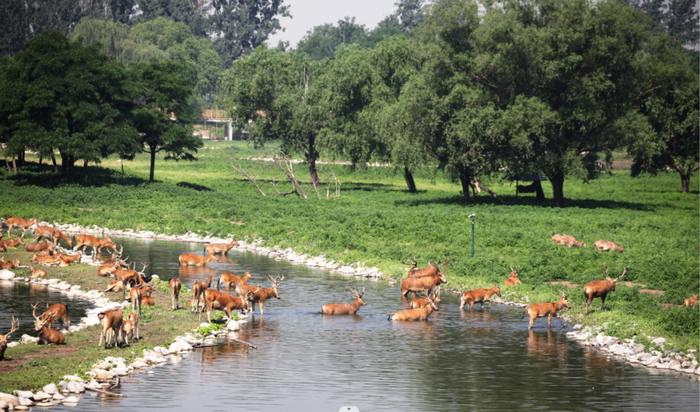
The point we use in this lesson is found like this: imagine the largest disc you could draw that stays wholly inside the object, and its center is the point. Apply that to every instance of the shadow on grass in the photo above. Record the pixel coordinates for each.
(194, 186)
(526, 201)
(33, 174)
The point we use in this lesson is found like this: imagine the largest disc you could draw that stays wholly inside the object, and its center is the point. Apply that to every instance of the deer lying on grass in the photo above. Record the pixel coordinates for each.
(24, 224)
(548, 309)
(567, 240)
(198, 288)
(38, 273)
(470, 297)
(345, 308)
(423, 301)
(9, 264)
(190, 259)
(5, 244)
(415, 314)
(148, 301)
(47, 259)
(691, 301)
(220, 248)
(112, 326)
(600, 288)
(214, 299)
(39, 246)
(42, 325)
(108, 266)
(261, 295)
(68, 259)
(175, 285)
(229, 279)
(607, 245)
(130, 326)
(513, 279)
(424, 284)
(14, 325)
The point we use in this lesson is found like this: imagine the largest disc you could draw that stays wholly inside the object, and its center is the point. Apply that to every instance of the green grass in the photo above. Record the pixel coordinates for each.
(375, 221)
(39, 364)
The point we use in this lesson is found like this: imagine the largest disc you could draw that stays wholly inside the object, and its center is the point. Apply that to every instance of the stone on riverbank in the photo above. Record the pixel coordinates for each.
(6, 274)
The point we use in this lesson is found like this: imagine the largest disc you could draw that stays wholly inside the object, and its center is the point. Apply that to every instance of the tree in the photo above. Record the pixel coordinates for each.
(165, 112)
(321, 42)
(59, 95)
(678, 17)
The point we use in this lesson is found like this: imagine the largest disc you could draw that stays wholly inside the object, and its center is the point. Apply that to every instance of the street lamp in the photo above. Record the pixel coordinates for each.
(472, 217)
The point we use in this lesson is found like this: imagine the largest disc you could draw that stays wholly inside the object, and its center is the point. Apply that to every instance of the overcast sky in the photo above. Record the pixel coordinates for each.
(309, 13)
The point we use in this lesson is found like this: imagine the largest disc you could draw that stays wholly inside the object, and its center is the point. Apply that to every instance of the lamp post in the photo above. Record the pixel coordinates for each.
(472, 217)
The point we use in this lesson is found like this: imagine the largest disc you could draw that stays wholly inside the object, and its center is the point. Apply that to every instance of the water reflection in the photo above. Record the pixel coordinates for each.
(547, 345)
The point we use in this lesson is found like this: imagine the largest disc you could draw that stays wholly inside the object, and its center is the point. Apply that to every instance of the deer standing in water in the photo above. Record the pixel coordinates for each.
(220, 248)
(345, 308)
(548, 309)
(415, 314)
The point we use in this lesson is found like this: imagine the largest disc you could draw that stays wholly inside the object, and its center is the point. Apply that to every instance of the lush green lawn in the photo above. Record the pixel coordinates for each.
(377, 222)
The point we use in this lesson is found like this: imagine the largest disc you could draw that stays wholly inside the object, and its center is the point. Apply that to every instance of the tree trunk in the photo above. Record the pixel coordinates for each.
(465, 178)
(53, 161)
(558, 188)
(151, 176)
(538, 190)
(685, 182)
(409, 180)
(66, 163)
(85, 164)
(311, 156)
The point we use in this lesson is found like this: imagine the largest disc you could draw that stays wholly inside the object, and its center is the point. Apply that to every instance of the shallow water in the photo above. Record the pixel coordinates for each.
(480, 360)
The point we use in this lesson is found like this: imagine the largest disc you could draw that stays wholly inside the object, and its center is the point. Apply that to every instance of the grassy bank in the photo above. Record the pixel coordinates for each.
(377, 222)
(32, 366)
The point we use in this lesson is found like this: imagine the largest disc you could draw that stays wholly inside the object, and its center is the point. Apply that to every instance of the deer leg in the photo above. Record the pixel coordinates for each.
(102, 336)
(261, 305)
(549, 321)
(530, 323)
(602, 298)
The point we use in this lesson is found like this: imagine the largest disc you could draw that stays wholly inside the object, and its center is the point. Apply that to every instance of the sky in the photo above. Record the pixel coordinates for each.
(309, 13)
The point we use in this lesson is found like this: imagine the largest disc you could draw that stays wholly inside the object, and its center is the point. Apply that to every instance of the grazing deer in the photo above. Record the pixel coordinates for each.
(261, 295)
(214, 299)
(513, 279)
(42, 325)
(229, 279)
(39, 246)
(112, 326)
(220, 248)
(600, 288)
(175, 285)
(470, 297)
(423, 301)
(607, 245)
(38, 273)
(24, 224)
(548, 309)
(567, 240)
(54, 311)
(424, 284)
(345, 308)
(190, 259)
(415, 314)
(198, 288)
(691, 301)
(14, 325)
(130, 326)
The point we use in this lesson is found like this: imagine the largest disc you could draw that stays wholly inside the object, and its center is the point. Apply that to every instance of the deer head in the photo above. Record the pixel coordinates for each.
(14, 325)
(39, 321)
(276, 281)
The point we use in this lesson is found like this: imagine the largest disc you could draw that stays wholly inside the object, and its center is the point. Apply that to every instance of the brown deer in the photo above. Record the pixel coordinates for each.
(229, 279)
(607, 245)
(190, 259)
(111, 264)
(148, 300)
(470, 297)
(424, 284)
(112, 326)
(24, 224)
(513, 279)
(84, 241)
(220, 248)
(548, 309)
(5, 244)
(261, 295)
(345, 308)
(39, 246)
(214, 299)
(42, 325)
(14, 325)
(9, 264)
(42, 231)
(130, 327)
(198, 288)
(38, 273)
(415, 272)
(567, 240)
(600, 288)
(423, 301)
(68, 259)
(691, 301)
(415, 314)
(46, 259)
(135, 297)
(53, 312)
(175, 285)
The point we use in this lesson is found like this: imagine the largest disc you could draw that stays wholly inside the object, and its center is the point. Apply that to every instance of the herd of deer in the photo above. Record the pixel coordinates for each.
(424, 283)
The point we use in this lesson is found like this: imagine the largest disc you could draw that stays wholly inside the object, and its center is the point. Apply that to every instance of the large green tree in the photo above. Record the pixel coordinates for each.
(321, 42)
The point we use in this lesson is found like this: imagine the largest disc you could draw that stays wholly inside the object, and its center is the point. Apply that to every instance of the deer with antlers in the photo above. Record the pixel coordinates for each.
(600, 288)
(418, 314)
(261, 295)
(548, 309)
(230, 279)
(220, 248)
(111, 264)
(112, 326)
(424, 284)
(55, 311)
(345, 308)
(214, 299)
(175, 285)
(470, 297)
(42, 325)
(14, 325)
(24, 224)
(431, 270)
(198, 288)
(423, 301)
(190, 259)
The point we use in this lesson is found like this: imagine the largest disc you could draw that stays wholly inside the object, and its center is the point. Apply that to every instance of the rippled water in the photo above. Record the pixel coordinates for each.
(480, 360)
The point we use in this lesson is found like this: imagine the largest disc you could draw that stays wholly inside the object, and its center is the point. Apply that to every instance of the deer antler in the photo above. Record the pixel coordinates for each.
(624, 272)
(14, 325)
(34, 311)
